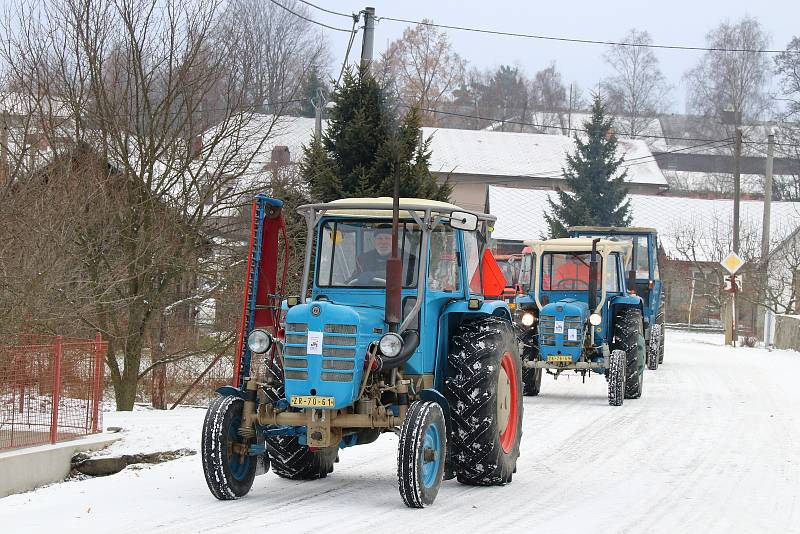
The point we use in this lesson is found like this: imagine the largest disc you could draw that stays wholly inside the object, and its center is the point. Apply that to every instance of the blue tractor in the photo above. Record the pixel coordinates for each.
(577, 315)
(643, 277)
(398, 333)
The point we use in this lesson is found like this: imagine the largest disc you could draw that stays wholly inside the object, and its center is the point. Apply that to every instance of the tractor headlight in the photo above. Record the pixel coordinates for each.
(390, 344)
(595, 319)
(259, 341)
(527, 319)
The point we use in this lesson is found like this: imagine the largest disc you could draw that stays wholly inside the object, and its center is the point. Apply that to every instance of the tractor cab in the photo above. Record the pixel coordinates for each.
(643, 277)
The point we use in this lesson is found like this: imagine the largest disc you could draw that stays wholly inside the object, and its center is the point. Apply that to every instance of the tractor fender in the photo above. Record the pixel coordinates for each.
(432, 395)
(230, 391)
(488, 307)
(628, 301)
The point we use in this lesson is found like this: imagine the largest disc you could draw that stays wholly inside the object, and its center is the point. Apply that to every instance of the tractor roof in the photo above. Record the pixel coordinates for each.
(614, 229)
(579, 244)
(382, 207)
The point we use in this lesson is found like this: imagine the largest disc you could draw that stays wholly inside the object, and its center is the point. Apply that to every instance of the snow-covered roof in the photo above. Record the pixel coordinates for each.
(491, 153)
(689, 228)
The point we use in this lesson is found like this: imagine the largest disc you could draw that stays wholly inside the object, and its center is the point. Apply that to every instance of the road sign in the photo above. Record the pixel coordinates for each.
(732, 262)
(733, 283)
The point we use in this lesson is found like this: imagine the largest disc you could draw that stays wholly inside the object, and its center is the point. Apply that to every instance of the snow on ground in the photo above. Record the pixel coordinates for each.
(712, 446)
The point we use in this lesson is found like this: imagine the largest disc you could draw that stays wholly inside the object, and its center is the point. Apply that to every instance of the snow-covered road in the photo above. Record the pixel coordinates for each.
(712, 446)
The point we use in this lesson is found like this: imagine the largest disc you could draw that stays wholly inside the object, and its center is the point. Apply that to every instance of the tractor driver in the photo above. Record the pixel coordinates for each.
(374, 261)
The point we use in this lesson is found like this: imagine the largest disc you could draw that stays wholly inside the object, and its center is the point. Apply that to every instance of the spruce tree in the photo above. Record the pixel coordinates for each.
(365, 142)
(598, 192)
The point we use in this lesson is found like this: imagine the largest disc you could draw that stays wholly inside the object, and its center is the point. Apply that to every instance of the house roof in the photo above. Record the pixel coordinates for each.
(689, 228)
(512, 154)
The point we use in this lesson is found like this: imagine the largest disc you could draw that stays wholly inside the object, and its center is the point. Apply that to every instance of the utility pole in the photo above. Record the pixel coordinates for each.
(767, 196)
(765, 234)
(318, 104)
(737, 178)
(737, 185)
(369, 37)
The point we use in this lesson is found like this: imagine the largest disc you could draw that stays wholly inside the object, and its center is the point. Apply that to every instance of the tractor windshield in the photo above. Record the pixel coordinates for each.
(354, 253)
(640, 252)
(569, 271)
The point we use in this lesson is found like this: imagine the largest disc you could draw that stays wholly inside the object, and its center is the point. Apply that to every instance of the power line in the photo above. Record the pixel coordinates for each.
(296, 14)
(347, 54)
(537, 125)
(581, 41)
(354, 15)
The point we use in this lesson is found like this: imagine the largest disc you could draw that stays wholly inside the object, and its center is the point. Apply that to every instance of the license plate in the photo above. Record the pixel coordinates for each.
(307, 401)
(559, 359)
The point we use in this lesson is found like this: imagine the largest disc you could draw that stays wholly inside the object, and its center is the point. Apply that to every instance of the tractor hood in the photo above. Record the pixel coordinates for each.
(562, 327)
(325, 347)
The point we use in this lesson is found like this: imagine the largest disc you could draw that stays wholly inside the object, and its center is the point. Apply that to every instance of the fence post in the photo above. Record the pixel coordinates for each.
(56, 389)
(99, 369)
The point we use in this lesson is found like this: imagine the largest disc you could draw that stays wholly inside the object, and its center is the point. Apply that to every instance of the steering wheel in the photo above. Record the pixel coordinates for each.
(366, 278)
(574, 282)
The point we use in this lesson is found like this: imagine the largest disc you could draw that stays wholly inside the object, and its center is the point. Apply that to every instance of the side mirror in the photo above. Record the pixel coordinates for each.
(464, 221)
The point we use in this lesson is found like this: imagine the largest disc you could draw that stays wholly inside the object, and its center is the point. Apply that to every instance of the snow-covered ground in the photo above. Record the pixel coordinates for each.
(712, 446)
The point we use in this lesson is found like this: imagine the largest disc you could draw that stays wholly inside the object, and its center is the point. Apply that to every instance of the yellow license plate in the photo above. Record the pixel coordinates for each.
(559, 359)
(307, 401)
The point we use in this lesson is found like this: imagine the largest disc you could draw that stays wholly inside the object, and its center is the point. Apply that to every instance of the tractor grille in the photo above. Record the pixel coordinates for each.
(569, 323)
(546, 325)
(338, 352)
(547, 335)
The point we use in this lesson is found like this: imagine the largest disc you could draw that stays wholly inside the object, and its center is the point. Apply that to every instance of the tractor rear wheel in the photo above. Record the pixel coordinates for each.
(484, 390)
(615, 375)
(421, 455)
(629, 337)
(228, 469)
(289, 458)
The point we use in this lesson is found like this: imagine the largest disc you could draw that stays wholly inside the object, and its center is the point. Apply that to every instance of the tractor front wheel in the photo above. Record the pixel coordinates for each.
(615, 374)
(421, 455)
(484, 390)
(228, 467)
(531, 377)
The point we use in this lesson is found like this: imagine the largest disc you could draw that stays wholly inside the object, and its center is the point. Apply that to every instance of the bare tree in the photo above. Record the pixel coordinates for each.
(143, 191)
(787, 66)
(424, 68)
(638, 90)
(548, 97)
(275, 50)
(731, 87)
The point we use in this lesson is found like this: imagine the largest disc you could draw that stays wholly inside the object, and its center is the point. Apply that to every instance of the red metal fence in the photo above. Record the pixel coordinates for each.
(51, 389)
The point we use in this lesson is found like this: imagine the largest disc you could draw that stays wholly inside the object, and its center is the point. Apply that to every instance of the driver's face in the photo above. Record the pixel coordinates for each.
(383, 243)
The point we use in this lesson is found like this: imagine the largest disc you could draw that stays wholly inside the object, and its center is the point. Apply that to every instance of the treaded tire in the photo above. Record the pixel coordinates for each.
(654, 347)
(288, 457)
(531, 378)
(219, 432)
(629, 337)
(423, 433)
(480, 454)
(661, 321)
(615, 375)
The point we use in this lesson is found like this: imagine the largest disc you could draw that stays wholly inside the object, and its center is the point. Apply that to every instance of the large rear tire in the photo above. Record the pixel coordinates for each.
(228, 469)
(654, 347)
(421, 454)
(629, 337)
(484, 390)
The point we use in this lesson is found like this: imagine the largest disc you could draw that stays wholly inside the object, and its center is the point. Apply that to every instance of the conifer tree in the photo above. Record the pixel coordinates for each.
(366, 141)
(598, 191)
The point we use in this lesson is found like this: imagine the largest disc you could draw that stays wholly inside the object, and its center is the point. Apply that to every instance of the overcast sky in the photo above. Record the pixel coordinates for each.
(682, 22)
